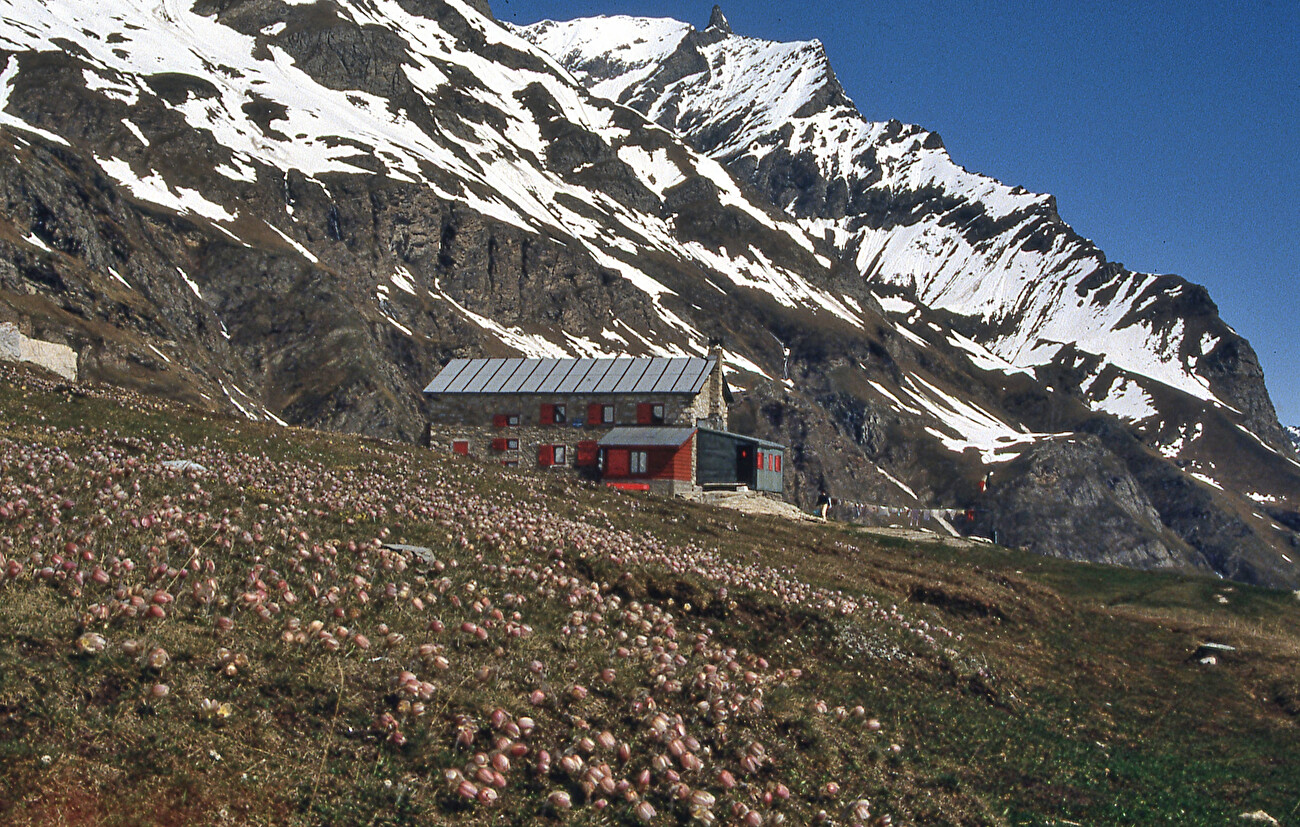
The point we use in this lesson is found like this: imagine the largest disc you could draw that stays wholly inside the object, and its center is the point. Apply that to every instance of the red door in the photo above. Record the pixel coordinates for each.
(618, 462)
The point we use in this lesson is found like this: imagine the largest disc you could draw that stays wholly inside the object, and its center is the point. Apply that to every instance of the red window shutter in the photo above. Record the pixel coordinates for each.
(778, 464)
(500, 421)
(547, 416)
(499, 444)
(588, 452)
(460, 446)
(644, 413)
(618, 462)
(758, 461)
(594, 413)
(546, 455)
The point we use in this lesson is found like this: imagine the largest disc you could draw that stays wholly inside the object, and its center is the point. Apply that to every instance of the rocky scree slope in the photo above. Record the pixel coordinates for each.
(299, 211)
(1008, 279)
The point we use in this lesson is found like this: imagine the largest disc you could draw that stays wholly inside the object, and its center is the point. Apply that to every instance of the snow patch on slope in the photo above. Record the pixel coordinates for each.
(1126, 399)
(155, 189)
(966, 425)
(6, 89)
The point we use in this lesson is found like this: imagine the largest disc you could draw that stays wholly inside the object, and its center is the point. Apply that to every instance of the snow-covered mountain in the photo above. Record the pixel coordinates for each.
(1007, 279)
(457, 121)
(298, 211)
(1015, 278)
(1294, 433)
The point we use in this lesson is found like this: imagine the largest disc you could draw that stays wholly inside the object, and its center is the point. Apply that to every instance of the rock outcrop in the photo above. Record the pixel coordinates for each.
(60, 360)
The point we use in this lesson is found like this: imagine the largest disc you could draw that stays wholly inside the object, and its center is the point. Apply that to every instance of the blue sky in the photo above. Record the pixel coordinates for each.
(1169, 132)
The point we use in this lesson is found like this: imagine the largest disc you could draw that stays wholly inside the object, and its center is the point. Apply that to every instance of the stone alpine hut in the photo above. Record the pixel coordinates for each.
(647, 423)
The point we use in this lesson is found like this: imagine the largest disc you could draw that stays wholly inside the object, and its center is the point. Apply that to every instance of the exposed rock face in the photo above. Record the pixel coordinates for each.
(1061, 492)
(58, 359)
(299, 212)
(718, 21)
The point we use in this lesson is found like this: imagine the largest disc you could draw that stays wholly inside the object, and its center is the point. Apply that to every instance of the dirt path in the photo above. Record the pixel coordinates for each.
(920, 536)
(754, 503)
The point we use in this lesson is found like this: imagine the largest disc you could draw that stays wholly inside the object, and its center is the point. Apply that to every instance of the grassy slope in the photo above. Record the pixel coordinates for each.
(1010, 688)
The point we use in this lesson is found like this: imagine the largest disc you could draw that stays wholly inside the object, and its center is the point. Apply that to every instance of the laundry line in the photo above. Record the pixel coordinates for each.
(897, 510)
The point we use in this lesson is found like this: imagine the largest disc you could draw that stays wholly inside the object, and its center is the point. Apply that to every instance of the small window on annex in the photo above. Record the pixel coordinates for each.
(638, 462)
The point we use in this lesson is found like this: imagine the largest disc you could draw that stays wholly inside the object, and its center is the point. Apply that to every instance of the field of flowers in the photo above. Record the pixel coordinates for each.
(205, 621)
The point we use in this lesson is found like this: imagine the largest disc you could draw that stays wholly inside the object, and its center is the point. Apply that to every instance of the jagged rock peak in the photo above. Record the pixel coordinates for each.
(718, 21)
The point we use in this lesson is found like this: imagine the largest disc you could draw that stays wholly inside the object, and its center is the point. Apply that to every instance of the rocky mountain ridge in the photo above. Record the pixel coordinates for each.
(298, 212)
(995, 262)
(888, 195)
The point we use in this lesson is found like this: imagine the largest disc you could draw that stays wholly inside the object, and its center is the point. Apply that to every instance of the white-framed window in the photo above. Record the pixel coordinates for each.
(560, 416)
(513, 419)
(607, 413)
(638, 462)
(561, 455)
(657, 413)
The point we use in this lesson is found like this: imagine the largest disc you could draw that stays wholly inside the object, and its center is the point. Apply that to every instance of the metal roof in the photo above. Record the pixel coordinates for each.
(646, 437)
(762, 443)
(651, 374)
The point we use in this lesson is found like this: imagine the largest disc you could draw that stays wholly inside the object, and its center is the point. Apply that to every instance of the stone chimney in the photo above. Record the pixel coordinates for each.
(717, 407)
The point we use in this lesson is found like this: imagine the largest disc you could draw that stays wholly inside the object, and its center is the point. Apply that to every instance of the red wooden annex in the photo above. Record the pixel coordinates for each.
(666, 454)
